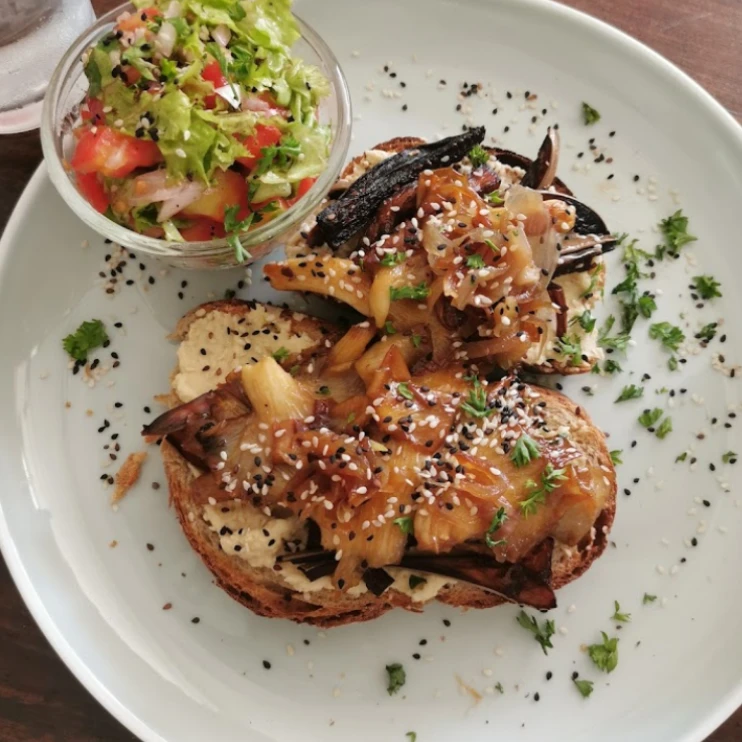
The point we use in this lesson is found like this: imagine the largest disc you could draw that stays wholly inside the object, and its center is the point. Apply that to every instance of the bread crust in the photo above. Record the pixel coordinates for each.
(263, 591)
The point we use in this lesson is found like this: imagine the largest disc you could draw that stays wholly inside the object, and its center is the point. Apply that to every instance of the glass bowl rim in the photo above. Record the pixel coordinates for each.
(203, 249)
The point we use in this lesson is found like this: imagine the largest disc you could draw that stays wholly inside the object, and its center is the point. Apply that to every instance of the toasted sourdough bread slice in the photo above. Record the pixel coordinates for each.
(264, 590)
(581, 290)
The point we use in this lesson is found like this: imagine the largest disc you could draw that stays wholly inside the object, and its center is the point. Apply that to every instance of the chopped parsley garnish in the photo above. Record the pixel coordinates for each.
(281, 354)
(617, 342)
(632, 391)
(584, 686)
(681, 457)
(729, 457)
(476, 403)
(475, 262)
(412, 736)
(669, 335)
(499, 688)
(525, 450)
(707, 287)
(397, 678)
(594, 278)
(351, 418)
(393, 258)
(497, 520)
(707, 333)
(416, 339)
(418, 293)
(675, 232)
(389, 328)
(664, 428)
(405, 524)
(541, 634)
(88, 336)
(616, 456)
(612, 367)
(570, 347)
(633, 305)
(585, 320)
(605, 655)
(416, 581)
(478, 156)
(233, 227)
(403, 390)
(550, 480)
(280, 154)
(618, 616)
(649, 417)
(589, 115)
(646, 305)
(672, 363)
(648, 598)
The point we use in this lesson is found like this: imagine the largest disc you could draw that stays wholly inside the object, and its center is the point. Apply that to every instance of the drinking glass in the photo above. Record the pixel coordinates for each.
(34, 34)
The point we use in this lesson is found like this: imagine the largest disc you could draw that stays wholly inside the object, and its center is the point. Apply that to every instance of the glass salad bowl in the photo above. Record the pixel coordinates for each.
(61, 114)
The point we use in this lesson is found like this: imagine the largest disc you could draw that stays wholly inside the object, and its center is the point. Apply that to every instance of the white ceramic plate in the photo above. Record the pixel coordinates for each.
(169, 679)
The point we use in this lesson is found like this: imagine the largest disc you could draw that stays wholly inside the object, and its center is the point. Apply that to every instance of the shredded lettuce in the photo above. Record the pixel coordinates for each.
(270, 24)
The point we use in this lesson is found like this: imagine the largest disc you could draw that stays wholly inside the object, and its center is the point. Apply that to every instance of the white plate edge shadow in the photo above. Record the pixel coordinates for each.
(32, 597)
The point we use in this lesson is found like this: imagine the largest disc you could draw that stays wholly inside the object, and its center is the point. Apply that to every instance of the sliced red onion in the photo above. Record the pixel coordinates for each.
(190, 192)
(231, 94)
(258, 105)
(153, 188)
(165, 39)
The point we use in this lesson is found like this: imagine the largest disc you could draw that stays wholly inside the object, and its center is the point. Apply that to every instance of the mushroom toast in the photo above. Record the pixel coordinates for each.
(329, 478)
(483, 251)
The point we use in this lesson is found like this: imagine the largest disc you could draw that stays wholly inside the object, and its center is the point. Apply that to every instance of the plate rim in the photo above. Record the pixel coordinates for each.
(26, 587)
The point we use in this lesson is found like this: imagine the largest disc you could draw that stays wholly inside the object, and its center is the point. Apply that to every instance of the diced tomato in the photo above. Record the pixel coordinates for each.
(137, 19)
(92, 111)
(213, 73)
(104, 150)
(229, 189)
(130, 75)
(303, 188)
(95, 194)
(264, 136)
(203, 230)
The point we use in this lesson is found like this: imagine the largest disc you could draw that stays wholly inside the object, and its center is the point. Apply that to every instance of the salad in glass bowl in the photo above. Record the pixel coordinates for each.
(199, 125)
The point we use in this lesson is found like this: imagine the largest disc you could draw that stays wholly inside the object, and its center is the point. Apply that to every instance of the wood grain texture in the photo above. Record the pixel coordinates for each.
(40, 700)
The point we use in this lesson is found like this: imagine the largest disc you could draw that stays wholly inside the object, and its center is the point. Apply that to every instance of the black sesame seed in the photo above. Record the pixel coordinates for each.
(195, 619)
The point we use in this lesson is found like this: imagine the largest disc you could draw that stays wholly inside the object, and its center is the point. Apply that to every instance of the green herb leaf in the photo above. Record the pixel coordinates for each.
(605, 655)
(476, 403)
(632, 391)
(405, 524)
(492, 246)
(475, 262)
(664, 428)
(92, 72)
(672, 363)
(397, 678)
(495, 198)
(550, 479)
(478, 156)
(649, 417)
(240, 253)
(669, 335)
(499, 688)
(412, 736)
(612, 367)
(618, 342)
(707, 333)
(389, 328)
(391, 259)
(585, 320)
(584, 686)
(616, 456)
(681, 457)
(416, 339)
(707, 287)
(232, 223)
(589, 115)
(403, 390)
(281, 354)
(646, 305)
(525, 450)
(542, 634)
(729, 457)
(618, 616)
(497, 520)
(648, 598)
(594, 274)
(570, 347)
(675, 231)
(87, 337)
(418, 293)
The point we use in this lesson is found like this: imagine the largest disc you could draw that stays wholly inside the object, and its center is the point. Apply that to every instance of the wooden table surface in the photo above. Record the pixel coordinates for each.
(40, 700)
